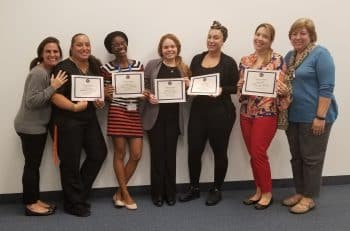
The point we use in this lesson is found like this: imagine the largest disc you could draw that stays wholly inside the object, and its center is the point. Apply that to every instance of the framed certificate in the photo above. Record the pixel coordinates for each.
(128, 84)
(87, 88)
(204, 85)
(260, 82)
(170, 90)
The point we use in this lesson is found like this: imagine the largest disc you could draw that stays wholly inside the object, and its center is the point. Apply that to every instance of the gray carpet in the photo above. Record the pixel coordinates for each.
(332, 213)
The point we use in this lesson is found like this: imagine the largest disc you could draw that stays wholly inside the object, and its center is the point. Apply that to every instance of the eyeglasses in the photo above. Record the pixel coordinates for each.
(118, 45)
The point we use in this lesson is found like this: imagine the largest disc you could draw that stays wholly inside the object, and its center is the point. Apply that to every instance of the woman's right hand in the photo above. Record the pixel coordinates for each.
(58, 80)
(239, 87)
(79, 106)
(187, 82)
(109, 92)
(240, 83)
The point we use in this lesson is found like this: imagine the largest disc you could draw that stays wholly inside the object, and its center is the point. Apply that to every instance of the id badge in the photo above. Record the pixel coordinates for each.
(131, 107)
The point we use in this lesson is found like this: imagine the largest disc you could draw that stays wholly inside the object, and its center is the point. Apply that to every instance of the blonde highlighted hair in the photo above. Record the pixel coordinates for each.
(272, 32)
(306, 23)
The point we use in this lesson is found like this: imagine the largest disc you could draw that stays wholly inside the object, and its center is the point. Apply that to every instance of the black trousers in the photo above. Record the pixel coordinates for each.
(211, 121)
(33, 147)
(163, 143)
(76, 178)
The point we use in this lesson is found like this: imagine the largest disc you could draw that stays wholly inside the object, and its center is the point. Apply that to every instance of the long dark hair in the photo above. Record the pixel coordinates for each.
(40, 51)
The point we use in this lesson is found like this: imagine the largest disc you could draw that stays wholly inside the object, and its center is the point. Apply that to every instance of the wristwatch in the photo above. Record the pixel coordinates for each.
(320, 117)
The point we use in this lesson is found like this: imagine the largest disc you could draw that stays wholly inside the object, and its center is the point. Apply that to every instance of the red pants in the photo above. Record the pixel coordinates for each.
(258, 134)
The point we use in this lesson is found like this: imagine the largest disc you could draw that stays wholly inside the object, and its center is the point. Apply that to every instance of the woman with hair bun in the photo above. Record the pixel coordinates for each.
(212, 125)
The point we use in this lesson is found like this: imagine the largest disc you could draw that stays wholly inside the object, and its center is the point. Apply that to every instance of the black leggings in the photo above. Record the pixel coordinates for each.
(33, 148)
(213, 122)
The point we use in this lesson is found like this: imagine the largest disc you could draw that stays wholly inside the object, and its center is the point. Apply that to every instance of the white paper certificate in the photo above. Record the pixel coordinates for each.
(87, 88)
(128, 84)
(204, 85)
(260, 82)
(170, 90)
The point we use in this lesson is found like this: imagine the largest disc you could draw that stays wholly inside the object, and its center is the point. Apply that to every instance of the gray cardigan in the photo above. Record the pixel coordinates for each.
(35, 110)
(149, 112)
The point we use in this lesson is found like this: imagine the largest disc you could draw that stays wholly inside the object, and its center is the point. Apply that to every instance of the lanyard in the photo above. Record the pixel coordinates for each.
(120, 69)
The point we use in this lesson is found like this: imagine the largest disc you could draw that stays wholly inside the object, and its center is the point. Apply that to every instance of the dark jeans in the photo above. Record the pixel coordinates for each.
(308, 153)
(33, 147)
(76, 178)
(213, 122)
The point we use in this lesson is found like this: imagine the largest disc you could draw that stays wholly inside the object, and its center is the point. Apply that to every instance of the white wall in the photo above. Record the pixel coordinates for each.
(25, 23)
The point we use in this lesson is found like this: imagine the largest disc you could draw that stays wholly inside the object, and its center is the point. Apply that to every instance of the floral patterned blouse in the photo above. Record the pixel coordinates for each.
(258, 106)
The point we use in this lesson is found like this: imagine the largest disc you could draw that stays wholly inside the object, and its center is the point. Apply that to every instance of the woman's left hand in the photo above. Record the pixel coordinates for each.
(99, 104)
(318, 127)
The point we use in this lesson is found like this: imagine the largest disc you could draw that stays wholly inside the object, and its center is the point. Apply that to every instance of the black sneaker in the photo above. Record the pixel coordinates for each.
(214, 197)
(191, 194)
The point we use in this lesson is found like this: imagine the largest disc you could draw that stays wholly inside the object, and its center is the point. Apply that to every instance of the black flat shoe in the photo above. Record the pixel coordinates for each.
(261, 207)
(191, 194)
(250, 201)
(29, 212)
(171, 202)
(158, 203)
(214, 197)
(51, 205)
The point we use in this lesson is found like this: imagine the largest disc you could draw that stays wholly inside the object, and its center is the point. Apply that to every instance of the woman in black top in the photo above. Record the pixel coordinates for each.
(163, 121)
(78, 129)
(211, 117)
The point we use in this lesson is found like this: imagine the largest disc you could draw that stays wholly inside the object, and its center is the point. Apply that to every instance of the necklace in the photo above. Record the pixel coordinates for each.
(83, 67)
(170, 66)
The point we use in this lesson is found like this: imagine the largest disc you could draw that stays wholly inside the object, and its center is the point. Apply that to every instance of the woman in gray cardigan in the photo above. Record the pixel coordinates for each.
(32, 120)
(163, 122)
